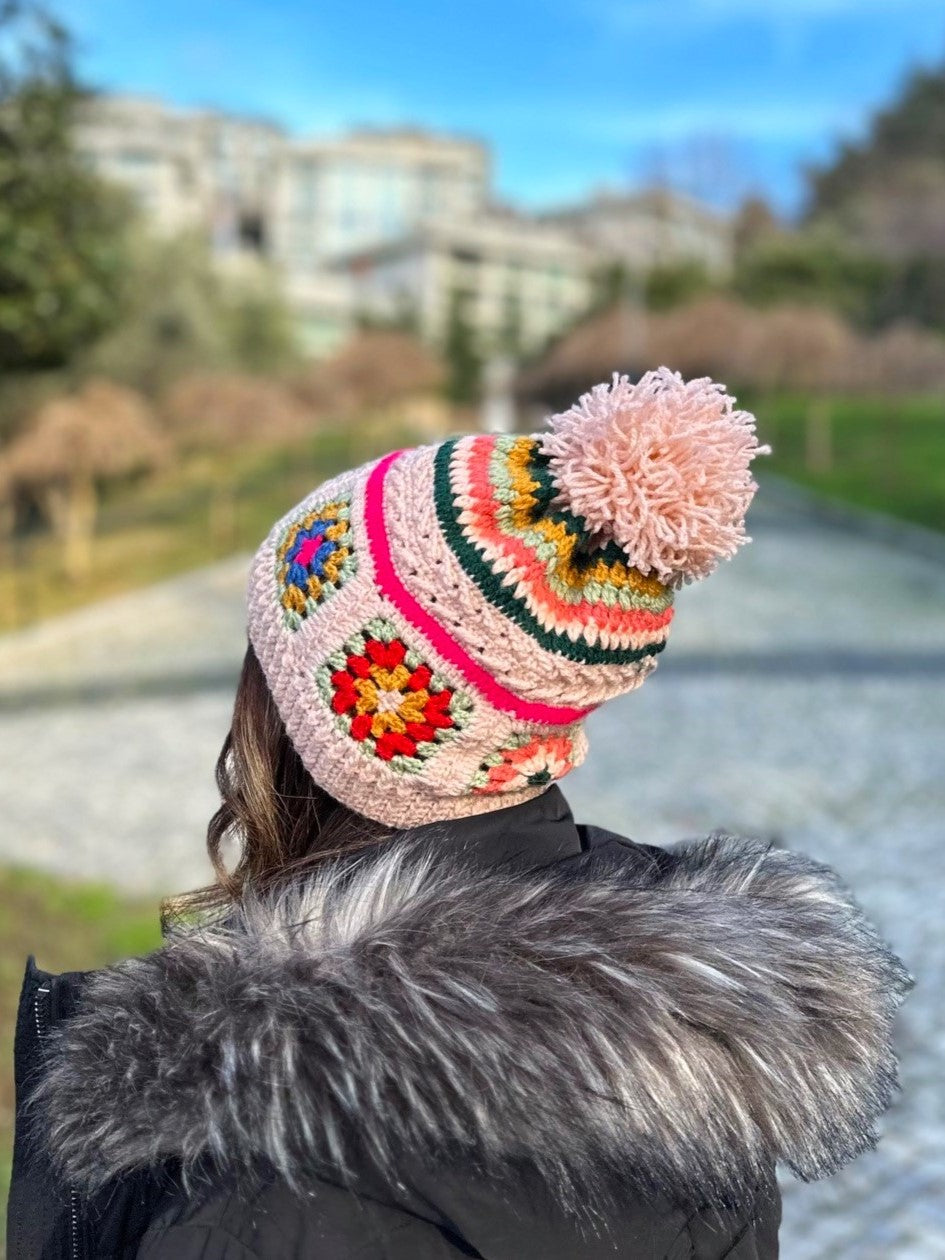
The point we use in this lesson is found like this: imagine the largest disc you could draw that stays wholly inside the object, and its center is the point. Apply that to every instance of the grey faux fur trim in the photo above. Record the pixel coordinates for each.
(684, 1026)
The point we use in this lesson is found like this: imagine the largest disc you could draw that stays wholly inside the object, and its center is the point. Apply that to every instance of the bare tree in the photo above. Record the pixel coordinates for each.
(376, 369)
(72, 446)
(228, 410)
(905, 359)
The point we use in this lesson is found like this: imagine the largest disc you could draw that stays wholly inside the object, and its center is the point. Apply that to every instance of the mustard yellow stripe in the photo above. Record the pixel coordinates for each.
(520, 515)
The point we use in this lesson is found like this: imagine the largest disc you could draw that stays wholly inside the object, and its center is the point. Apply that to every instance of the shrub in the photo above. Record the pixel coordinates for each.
(377, 368)
(227, 410)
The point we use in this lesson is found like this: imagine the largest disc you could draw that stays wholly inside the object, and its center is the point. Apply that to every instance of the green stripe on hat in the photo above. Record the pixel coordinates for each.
(504, 597)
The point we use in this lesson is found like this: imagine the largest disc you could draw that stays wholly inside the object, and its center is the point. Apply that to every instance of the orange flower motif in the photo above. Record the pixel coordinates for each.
(390, 697)
(525, 763)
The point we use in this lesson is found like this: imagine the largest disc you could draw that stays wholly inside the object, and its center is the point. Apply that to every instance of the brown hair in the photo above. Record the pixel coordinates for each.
(281, 820)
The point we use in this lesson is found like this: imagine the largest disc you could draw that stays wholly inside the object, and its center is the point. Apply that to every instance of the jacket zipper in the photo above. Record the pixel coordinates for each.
(74, 1222)
(40, 1003)
(40, 1021)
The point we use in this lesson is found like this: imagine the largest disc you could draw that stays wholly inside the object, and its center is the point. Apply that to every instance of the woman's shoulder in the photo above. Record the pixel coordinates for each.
(270, 1219)
(714, 984)
(443, 1215)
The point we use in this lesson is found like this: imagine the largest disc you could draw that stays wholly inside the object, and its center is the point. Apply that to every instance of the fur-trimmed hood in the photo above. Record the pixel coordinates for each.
(684, 1023)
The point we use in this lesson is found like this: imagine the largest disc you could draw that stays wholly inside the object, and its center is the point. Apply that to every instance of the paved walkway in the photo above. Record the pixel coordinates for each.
(802, 697)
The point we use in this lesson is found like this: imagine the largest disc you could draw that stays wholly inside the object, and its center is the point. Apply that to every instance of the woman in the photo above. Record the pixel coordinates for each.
(424, 1013)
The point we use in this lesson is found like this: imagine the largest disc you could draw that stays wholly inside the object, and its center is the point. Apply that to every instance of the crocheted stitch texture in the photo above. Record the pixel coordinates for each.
(313, 558)
(435, 626)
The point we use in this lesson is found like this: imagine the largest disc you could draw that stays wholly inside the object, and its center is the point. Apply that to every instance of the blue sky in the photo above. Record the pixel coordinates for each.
(719, 96)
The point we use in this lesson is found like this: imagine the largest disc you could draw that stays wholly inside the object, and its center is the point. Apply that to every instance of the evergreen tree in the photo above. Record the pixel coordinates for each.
(461, 351)
(510, 334)
(61, 230)
(674, 284)
(814, 268)
(887, 192)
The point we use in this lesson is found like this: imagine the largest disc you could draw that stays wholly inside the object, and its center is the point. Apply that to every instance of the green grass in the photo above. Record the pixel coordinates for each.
(887, 454)
(69, 927)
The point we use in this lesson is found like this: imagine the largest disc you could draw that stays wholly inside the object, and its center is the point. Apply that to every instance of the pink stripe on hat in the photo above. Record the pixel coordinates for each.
(390, 585)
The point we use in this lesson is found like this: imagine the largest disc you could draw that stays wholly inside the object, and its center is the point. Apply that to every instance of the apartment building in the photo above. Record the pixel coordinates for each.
(310, 199)
(187, 169)
(334, 196)
(654, 228)
(298, 205)
(387, 223)
(518, 282)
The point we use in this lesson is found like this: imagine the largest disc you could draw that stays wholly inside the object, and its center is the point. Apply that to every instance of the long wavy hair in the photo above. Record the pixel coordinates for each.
(274, 822)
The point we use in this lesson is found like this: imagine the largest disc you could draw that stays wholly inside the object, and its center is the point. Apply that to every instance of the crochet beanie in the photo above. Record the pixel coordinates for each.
(436, 625)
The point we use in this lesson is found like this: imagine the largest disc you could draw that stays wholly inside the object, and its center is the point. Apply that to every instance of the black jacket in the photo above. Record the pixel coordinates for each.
(511, 1037)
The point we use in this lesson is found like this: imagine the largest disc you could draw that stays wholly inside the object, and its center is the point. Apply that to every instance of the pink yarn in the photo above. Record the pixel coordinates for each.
(662, 467)
(389, 584)
(308, 549)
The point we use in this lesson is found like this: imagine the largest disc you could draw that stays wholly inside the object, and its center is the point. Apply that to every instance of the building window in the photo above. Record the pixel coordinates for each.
(306, 188)
(429, 190)
(252, 233)
(136, 158)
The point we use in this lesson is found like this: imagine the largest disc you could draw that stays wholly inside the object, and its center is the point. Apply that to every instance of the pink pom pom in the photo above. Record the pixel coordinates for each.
(661, 467)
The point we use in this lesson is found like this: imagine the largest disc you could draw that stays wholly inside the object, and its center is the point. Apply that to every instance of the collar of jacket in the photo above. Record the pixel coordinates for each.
(527, 836)
(675, 1024)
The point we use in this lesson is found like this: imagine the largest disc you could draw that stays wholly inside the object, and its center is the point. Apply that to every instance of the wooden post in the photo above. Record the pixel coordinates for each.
(10, 610)
(818, 437)
(71, 508)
